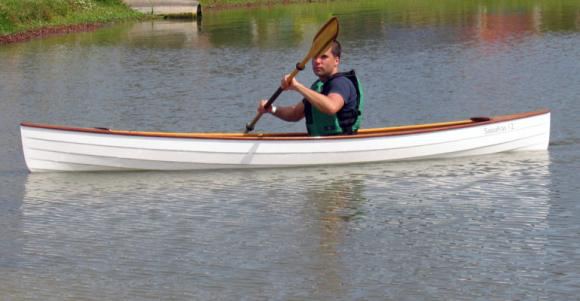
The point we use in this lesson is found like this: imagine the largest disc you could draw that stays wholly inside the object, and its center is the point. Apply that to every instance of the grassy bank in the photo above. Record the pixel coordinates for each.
(18, 16)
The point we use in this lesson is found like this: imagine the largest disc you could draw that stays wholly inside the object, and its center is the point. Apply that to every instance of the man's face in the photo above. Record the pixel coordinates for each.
(325, 64)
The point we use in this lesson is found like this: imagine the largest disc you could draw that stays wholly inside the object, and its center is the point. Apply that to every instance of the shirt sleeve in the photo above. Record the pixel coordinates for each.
(345, 88)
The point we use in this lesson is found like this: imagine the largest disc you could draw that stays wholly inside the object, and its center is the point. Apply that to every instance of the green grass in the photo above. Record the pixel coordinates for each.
(22, 15)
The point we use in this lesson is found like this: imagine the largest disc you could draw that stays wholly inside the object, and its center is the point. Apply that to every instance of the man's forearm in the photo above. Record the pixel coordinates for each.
(322, 102)
(288, 113)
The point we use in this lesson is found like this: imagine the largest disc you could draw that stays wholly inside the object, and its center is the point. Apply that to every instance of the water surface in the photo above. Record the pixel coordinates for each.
(501, 227)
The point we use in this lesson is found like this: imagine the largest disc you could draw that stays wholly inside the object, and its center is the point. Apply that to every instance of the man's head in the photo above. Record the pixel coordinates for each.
(326, 64)
(336, 48)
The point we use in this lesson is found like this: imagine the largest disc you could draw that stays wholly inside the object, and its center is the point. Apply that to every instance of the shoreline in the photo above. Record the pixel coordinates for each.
(23, 21)
(52, 30)
(48, 31)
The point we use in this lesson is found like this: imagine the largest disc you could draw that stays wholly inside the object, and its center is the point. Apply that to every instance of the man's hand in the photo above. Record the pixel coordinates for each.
(261, 107)
(286, 84)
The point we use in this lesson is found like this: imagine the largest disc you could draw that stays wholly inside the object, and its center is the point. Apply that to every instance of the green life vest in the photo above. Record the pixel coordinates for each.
(345, 122)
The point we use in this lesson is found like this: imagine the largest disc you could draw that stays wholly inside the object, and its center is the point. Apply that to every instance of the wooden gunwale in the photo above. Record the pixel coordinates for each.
(363, 133)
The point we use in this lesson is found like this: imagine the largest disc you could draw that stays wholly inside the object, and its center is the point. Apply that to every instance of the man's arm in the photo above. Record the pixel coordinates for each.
(287, 113)
(328, 104)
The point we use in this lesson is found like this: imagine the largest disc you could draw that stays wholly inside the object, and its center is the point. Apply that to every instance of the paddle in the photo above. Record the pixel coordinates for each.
(320, 44)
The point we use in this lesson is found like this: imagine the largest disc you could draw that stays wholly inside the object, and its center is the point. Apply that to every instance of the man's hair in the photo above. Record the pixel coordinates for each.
(336, 48)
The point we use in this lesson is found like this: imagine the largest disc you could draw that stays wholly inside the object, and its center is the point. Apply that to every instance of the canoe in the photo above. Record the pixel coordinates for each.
(51, 148)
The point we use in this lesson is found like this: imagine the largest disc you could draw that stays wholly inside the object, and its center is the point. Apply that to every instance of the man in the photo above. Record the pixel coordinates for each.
(332, 105)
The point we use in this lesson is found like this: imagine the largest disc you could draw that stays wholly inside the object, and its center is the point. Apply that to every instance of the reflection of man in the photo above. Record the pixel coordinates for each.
(338, 201)
(332, 106)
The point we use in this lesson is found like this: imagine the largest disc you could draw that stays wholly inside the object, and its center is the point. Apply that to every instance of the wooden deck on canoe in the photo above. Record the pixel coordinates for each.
(362, 133)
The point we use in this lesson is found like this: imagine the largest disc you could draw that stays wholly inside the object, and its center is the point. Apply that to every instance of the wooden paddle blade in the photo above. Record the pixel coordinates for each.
(324, 37)
(322, 40)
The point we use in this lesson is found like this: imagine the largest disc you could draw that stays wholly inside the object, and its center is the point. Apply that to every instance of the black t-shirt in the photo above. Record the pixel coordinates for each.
(343, 86)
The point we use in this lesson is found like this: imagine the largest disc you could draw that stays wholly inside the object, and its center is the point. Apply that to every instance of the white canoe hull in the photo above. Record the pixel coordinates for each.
(56, 148)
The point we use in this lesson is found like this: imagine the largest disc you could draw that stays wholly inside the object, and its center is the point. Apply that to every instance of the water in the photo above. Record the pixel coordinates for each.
(500, 227)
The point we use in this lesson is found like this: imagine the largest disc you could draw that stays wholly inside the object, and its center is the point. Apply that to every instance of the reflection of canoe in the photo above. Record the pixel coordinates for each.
(58, 148)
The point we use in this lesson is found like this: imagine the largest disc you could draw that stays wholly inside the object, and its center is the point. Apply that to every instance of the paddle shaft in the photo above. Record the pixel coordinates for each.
(250, 126)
